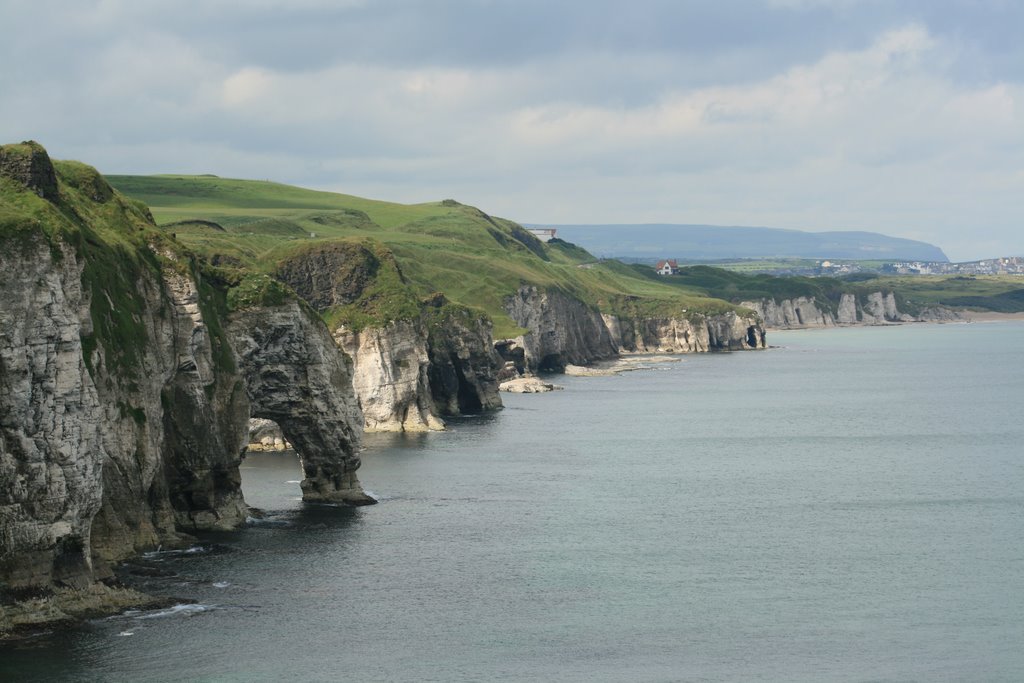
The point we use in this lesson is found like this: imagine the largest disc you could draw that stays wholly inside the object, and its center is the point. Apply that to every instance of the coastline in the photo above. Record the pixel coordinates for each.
(990, 316)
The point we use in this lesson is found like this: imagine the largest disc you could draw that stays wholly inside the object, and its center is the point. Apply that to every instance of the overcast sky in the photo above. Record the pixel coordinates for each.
(899, 117)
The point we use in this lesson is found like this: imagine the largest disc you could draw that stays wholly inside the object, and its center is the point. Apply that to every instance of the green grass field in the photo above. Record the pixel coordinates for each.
(474, 259)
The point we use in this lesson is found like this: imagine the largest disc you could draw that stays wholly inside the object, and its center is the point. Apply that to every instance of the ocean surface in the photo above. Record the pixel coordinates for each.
(848, 506)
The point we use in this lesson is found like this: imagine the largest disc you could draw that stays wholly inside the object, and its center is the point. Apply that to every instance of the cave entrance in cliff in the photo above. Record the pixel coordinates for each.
(753, 338)
(271, 471)
(551, 363)
(468, 399)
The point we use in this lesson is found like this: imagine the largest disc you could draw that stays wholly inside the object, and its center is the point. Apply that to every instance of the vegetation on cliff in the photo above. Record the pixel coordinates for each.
(71, 205)
(474, 259)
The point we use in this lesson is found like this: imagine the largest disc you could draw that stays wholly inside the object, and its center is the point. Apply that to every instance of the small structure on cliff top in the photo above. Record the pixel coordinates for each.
(543, 234)
(669, 267)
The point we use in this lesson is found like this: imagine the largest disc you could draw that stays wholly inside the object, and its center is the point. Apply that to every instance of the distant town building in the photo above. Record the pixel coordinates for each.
(543, 234)
(669, 267)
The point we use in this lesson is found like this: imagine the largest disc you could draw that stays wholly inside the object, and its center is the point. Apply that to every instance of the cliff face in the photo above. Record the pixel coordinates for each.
(699, 334)
(875, 308)
(50, 418)
(800, 312)
(296, 376)
(464, 366)
(126, 388)
(429, 360)
(391, 365)
(564, 331)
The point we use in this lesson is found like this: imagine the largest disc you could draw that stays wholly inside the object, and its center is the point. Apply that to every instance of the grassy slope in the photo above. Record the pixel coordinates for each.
(474, 259)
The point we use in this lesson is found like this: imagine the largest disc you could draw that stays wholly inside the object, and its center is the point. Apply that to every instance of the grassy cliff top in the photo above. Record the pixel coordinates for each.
(472, 258)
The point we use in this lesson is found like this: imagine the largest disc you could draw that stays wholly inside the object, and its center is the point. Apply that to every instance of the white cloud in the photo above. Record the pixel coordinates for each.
(246, 86)
(898, 130)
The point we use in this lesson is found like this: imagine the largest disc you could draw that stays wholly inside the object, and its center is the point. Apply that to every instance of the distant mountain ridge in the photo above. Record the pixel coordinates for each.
(682, 241)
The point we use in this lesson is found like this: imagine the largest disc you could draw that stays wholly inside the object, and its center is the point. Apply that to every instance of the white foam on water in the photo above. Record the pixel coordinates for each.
(258, 521)
(158, 553)
(186, 610)
(221, 584)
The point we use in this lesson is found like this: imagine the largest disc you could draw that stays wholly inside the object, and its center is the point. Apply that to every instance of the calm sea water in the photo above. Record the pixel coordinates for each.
(848, 507)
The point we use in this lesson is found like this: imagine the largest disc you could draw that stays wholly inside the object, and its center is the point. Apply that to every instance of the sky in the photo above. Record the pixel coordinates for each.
(901, 117)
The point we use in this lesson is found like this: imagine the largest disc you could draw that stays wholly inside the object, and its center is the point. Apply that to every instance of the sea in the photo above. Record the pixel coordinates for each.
(847, 505)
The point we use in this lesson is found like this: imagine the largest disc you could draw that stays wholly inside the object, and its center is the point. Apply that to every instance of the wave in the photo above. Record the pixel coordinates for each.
(159, 552)
(184, 609)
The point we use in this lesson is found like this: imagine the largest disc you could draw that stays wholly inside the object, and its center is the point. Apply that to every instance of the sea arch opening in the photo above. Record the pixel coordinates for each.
(271, 470)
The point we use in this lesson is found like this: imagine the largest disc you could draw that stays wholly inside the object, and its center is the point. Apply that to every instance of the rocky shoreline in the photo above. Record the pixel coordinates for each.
(849, 310)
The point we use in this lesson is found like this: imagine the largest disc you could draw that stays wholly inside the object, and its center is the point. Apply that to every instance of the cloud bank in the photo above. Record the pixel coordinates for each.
(904, 118)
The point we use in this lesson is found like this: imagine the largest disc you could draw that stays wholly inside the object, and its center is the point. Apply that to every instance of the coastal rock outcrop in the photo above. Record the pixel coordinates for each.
(799, 312)
(415, 361)
(50, 420)
(29, 165)
(126, 385)
(293, 372)
(464, 365)
(562, 330)
(695, 334)
(265, 435)
(872, 308)
(390, 376)
(528, 385)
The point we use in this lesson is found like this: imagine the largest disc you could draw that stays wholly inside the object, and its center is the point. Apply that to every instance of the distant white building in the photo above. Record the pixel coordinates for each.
(543, 234)
(668, 267)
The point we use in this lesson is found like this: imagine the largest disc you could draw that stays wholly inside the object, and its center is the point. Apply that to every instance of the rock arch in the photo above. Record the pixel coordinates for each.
(296, 376)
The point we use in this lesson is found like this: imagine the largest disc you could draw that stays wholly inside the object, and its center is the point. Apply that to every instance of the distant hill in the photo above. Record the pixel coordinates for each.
(656, 241)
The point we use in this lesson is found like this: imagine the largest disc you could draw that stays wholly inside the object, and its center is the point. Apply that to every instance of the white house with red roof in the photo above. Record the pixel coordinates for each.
(669, 267)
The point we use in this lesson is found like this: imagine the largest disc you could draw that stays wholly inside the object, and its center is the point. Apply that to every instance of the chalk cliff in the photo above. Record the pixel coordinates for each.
(562, 330)
(871, 308)
(127, 382)
(415, 361)
(391, 375)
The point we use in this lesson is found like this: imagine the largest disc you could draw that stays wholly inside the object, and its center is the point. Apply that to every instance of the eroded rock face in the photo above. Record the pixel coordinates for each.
(846, 312)
(464, 366)
(390, 376)
(30, 165)
(265, 435)
(792, 313)
(876, 308)
(879, 308)
(101, 461)
(51, 449)
(333, 274)
(124, 404)
(296, 376)
(733, 332)
(562, 330)
(174, 424)
(698, 334)
(436, 360)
